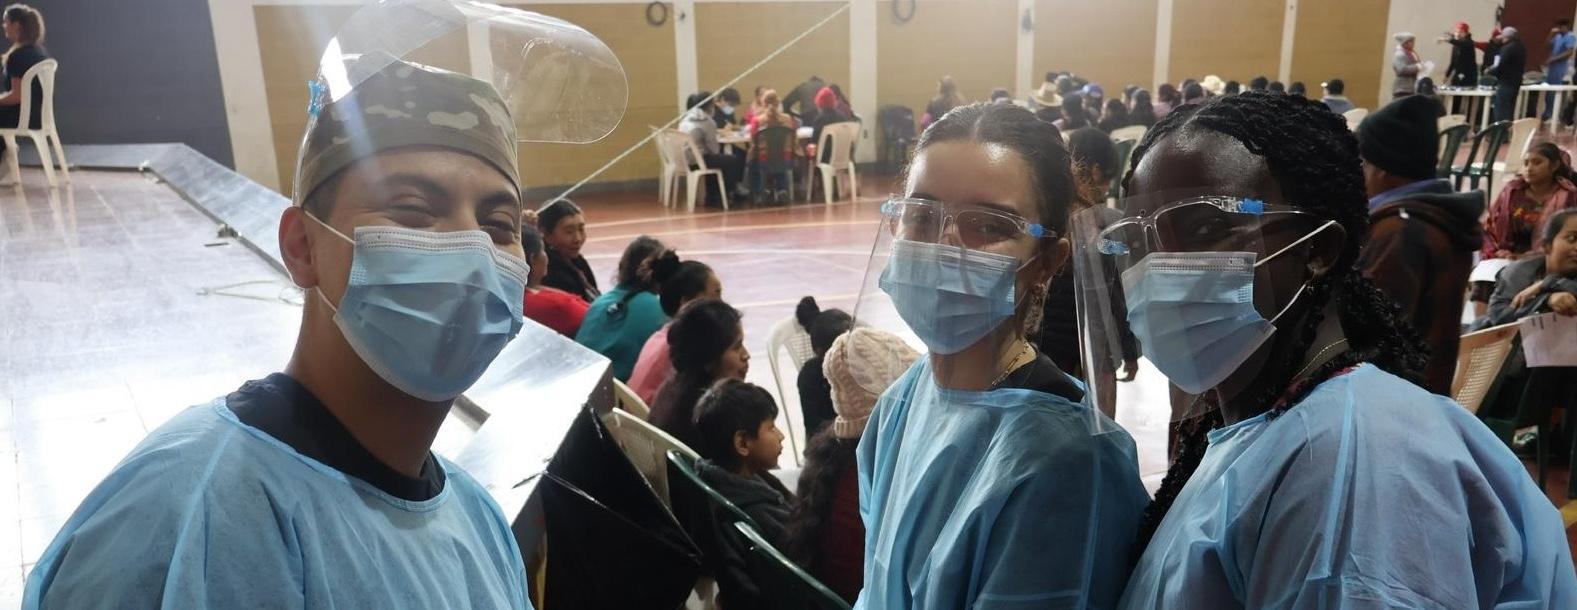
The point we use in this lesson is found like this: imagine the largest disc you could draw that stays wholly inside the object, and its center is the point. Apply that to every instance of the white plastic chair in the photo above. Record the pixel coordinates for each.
(668, 179)
(1517, 145)
(1480, 357)
(839, 139)
(647, 447)
(1449, 121)
(44, 75)
(788, 335)
(1132, 132)
(682, 150)
(629, 400)
(1354, 117)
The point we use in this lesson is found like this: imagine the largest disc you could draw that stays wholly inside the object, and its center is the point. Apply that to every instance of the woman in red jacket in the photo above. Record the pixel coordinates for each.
(1546, 185)
(550, 307)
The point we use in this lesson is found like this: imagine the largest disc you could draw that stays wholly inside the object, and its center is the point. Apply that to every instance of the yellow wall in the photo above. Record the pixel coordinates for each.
(1111, 42)
(647, 53)
(292, 36)
(1233, 39)
(1341, 40)
(732, 36)
(975, 41)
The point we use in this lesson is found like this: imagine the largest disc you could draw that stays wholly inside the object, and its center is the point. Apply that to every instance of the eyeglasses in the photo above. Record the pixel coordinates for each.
(977, 226)
(1197, 224)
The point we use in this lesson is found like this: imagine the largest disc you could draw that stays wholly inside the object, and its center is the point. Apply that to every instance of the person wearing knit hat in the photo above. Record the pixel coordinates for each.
(825, 534)
(316, 486)
(1422, 233)
(1407, 65)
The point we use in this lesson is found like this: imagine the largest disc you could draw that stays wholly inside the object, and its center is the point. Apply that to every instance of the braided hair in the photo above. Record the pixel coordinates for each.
(1314, 159)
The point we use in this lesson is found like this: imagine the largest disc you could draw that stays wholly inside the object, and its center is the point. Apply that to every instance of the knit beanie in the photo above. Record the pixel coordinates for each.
(859, 367)
(1402, 138)
(826, 99)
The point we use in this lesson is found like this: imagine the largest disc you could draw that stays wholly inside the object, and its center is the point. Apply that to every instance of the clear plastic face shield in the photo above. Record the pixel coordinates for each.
(1194, 283)
(946, 275)
(557, 82)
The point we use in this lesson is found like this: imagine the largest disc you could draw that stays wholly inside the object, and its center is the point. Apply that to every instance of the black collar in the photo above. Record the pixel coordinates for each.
(284, 409)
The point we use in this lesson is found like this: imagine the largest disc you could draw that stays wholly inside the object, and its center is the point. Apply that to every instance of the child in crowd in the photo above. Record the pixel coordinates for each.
(825, 534)
(740, 444)
(815, 396)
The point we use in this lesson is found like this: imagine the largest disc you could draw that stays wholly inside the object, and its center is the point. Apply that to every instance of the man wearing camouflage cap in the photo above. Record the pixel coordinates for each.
(316, 487)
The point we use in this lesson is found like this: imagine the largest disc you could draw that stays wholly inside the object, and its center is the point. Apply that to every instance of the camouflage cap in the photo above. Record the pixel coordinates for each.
(404, 104)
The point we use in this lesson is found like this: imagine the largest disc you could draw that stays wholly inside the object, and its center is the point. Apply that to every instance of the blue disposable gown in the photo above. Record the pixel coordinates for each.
(1403, 501)
(1000, 499)
(208, 512)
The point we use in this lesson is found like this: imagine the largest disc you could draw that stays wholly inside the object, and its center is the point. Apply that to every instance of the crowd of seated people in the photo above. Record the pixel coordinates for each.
(665, 319)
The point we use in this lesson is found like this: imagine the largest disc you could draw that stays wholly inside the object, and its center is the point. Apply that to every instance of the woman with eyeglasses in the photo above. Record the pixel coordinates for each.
(985, 482)
(1311, 471)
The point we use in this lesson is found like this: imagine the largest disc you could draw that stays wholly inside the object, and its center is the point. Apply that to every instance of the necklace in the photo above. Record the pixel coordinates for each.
(1316, 359)
(1025, 355)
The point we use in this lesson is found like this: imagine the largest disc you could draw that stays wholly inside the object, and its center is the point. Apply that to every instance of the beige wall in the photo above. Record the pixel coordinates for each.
(976, 41)
(1340, 39)
(732, 36)
(1233, 39)
(1111, 42)
(647, 53)
(972, 40)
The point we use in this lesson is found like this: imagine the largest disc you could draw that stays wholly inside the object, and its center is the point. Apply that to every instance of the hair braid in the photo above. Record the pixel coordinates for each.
(1314, 159)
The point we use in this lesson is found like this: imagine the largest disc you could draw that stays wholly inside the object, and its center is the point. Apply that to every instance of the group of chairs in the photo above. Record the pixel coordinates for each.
(774, 154)
(738, 563)
(1482, 164)
(1486, 360)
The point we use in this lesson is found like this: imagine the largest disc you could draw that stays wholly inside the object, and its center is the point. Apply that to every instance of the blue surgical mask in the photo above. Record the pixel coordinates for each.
(429, 311)
(1193, 312)
(950, 297)
(727, 110)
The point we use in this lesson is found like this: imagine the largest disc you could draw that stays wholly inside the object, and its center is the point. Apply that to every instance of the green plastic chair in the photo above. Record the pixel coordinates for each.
(1482, 155)
(784, 585)
(709, 519)
(1450, 144)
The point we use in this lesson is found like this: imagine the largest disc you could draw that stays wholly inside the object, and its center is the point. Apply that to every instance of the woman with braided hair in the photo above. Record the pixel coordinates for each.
(1310, 473)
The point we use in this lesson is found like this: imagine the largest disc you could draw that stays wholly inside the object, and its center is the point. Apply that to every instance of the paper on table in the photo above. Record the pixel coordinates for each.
(1487, 269)
(1549, 339)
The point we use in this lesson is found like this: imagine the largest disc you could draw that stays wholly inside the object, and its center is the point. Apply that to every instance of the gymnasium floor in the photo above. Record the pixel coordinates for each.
(120, 306)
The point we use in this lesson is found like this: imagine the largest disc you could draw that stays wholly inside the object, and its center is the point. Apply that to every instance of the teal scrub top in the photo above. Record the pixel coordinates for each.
(1370, 493)
(208, 512)
(618, 328)
(1009, 498)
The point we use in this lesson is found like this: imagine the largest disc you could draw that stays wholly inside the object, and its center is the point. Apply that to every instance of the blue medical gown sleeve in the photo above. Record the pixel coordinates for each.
(1409, 525)
(149, 537)
(209, 513)
(1064, 535)
(1371, 493)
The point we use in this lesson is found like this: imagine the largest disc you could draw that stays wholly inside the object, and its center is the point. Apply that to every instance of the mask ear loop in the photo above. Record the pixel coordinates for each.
(336, 232)
(1305, 284)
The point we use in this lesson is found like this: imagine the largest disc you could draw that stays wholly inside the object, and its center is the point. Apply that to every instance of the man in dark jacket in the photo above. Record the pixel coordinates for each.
(1422, 233)
(1507, 68)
